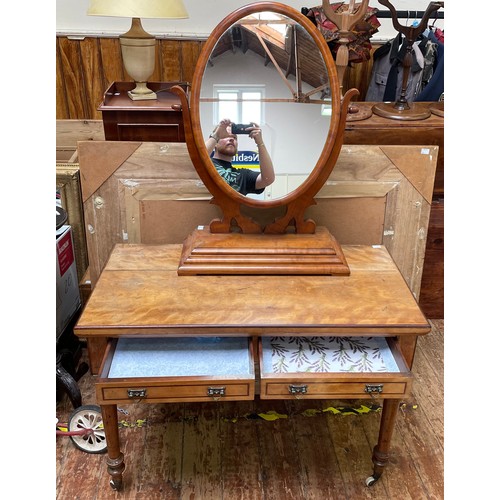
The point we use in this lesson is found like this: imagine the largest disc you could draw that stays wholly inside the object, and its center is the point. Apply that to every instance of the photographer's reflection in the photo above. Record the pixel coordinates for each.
(224, 143)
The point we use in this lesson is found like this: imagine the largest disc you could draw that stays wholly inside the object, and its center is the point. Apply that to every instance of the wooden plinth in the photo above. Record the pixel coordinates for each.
(416, 111)
(262, 254)
(437, 108)
(358, 111)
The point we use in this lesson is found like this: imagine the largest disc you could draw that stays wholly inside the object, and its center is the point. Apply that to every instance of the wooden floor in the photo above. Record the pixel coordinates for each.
(271, 450)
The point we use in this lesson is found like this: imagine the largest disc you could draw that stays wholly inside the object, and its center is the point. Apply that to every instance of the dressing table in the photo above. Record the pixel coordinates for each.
(245, 309)
(140, 297)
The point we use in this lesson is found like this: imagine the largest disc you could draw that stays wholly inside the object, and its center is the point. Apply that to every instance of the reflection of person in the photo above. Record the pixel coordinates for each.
(225, 144)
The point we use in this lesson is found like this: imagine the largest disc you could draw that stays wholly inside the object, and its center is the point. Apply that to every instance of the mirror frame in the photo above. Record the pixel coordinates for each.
(303, 196)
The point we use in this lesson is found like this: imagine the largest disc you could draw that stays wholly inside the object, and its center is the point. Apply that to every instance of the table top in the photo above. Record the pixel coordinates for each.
(140, 294)
(379, 122)
(117, 99)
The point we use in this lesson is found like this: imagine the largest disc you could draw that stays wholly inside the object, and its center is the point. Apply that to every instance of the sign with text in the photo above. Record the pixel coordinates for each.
(246, 159)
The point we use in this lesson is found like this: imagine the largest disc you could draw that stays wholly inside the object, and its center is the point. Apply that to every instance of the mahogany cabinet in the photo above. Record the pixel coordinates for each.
(157, 120)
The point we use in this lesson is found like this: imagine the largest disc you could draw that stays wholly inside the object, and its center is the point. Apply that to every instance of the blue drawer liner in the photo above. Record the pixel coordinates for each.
(327, 354)
(179, 357)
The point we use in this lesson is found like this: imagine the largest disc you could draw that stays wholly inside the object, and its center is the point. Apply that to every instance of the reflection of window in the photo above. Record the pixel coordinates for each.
(242, 104)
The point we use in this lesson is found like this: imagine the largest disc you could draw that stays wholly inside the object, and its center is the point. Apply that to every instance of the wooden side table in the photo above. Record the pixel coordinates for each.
(158, 120)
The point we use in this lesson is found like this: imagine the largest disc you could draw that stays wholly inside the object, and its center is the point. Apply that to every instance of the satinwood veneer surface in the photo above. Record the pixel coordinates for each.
(140, 293)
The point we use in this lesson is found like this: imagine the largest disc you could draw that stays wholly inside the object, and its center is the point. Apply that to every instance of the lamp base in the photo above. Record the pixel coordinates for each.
(141, 92)
(141, 97)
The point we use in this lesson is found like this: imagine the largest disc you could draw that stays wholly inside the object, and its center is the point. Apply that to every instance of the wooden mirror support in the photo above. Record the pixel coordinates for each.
(236, 243)
(402, 109)
(346, 19)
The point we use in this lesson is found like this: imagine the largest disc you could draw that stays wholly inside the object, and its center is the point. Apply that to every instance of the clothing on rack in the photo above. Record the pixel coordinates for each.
(359, 36)
(439, 34)
(387, 73)
(435, 86)
(429, 50)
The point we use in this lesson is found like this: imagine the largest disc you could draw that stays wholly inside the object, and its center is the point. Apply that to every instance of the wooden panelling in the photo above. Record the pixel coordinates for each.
(85, 69)
(92, 72)
(190, 52)
(73, 83)
(111, 61)
(358, 77)
(171, 66)
(61, 95)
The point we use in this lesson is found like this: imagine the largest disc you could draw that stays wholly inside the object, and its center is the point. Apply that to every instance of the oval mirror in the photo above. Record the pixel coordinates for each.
(266, 63)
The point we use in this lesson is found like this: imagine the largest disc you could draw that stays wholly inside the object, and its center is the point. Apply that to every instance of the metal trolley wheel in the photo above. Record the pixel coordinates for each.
(88, 417)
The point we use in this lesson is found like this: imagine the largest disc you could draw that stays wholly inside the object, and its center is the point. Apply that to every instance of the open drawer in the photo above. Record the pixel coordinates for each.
(156, 370)
(332, 368)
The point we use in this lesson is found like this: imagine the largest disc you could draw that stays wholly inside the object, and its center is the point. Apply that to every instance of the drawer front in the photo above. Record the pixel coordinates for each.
(159, 370)
(302, 388)
(160, 390)
(329, 368)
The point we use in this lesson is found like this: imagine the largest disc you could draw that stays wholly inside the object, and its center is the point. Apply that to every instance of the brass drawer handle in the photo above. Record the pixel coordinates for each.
(136, 393)
(297, 390)
(216, 392)
(373, 389)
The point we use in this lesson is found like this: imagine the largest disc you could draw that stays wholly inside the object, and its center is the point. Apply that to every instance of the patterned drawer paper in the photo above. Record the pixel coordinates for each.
(327, 355)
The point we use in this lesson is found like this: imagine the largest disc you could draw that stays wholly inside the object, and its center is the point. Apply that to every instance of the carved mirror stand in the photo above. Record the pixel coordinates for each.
(239, 242)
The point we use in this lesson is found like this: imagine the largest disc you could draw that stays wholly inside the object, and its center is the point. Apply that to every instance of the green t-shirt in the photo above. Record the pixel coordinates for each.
(240, 179)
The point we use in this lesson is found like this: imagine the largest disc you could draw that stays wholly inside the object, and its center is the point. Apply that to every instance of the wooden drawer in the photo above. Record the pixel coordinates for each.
(332, 367)
(156, 370)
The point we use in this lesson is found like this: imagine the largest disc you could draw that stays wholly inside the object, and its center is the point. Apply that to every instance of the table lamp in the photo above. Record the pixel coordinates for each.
(138, 46)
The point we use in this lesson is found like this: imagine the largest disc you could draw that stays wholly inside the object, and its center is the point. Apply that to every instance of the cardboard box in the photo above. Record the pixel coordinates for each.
(67, 292)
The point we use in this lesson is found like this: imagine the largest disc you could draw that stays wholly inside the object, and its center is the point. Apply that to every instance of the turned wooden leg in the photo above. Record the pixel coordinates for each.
(380, 455)
(115, 462)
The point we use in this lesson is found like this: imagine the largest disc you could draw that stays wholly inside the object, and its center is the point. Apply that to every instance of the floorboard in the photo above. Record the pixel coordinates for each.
(269, 450)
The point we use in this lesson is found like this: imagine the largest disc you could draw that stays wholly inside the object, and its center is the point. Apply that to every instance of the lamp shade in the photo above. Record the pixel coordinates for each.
(152, 9)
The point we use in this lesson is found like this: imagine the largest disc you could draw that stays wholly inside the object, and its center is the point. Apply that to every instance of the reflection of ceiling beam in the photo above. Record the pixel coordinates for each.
(269, 34)
(298, 73)
(274, 62)
(290, 49)
(234, 44)
(280, 48)
(239, 39)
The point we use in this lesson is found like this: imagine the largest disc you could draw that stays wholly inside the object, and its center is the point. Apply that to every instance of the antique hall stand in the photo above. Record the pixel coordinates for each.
(233, 287)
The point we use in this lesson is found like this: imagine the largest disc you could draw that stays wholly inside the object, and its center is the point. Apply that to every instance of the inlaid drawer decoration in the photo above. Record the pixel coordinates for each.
(332, 367)
(177, 369)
